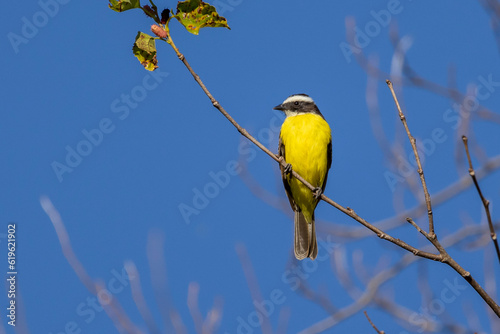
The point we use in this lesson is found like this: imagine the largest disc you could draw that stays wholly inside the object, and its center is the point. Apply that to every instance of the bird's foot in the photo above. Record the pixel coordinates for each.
(317, 192)
(288, 167)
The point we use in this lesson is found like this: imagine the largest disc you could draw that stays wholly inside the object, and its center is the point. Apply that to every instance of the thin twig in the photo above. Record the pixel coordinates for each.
(115, 310)
(373, 325)
(417, 158)
(486, 203)
(253, 285)
(138, 297)
(431, 236)
(65, 242)
(411, 78)
(111, 305)
(192, 302)
(157, 266)
(214, 317)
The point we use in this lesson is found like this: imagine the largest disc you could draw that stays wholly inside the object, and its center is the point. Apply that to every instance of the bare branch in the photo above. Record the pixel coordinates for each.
(112, 307)
(443, 256)
(214, 317)
(157, 267)
(139, 300)
(65, 242)
(373, 325)
(486, 203)
(283, 319)
(417, 158)
(115, 311)
(192, 302)
(253, 284)
(373, 285)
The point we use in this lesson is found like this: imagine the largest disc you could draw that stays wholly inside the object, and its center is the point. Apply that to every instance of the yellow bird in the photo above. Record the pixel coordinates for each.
(306, 145)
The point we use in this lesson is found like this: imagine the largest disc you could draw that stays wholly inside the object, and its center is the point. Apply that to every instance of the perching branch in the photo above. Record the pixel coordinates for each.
(348, 211)
(486, 203)
(442, 256)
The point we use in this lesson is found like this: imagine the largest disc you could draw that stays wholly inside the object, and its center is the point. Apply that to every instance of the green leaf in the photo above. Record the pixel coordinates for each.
(145, 50)
(196, 14)
(123, 5)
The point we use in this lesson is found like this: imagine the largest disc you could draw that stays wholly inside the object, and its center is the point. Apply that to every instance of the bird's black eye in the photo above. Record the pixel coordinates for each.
(296, 103)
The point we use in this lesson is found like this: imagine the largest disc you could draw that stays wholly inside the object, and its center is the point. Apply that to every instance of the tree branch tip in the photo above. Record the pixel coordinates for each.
(388, 82)
(465, 139)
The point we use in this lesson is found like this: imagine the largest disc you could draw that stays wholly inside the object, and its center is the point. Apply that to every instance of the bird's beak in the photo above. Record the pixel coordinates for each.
(278, 107)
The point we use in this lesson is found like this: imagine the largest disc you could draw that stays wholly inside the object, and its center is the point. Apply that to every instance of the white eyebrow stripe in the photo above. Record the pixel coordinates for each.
(298, 98)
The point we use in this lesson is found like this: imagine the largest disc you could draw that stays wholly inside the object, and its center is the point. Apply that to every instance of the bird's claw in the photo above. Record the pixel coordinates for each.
(287, 169)
(317, 192)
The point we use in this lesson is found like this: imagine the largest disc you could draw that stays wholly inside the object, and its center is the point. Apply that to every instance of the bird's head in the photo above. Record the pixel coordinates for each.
(298, 104)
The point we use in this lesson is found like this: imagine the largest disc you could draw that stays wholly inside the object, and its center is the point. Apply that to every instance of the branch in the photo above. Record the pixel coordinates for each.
(112, 307)
(192, 302)
(375, 282)
(417, 158)
(486, 203)
(431, 236)
(253, 285)
(172, 320)
(348, 211)
(373, 325)
(138, 297)
(442, 256)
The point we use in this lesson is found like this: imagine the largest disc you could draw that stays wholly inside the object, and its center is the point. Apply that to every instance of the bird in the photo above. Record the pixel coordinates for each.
(305, 143)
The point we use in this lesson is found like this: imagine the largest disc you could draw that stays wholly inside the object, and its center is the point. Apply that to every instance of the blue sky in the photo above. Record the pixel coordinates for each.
(152, 142)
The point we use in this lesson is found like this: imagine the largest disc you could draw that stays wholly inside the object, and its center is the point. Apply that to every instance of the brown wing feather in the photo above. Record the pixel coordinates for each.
(288, 190)
(328, 163)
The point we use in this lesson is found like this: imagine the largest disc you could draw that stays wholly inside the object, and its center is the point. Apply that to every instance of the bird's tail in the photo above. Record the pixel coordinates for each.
(305, 237)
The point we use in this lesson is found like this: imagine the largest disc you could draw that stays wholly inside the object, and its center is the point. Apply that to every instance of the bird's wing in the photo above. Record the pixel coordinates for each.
(328, 163)
(281, 152)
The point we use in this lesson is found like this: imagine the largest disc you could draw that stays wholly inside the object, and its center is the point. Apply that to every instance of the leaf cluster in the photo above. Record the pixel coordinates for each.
(192, 14)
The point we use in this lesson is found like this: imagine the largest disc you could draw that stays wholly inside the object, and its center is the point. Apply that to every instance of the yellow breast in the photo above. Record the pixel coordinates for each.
(306, 138)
